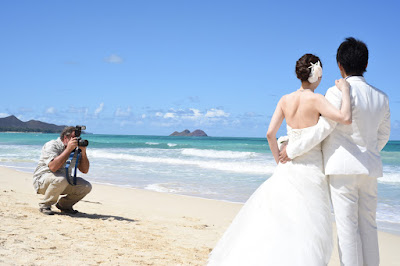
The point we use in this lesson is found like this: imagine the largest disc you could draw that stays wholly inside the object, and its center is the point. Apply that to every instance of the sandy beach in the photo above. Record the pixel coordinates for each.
(120, 226)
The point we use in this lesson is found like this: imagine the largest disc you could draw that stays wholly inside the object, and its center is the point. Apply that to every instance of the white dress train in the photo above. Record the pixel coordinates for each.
(287, 220)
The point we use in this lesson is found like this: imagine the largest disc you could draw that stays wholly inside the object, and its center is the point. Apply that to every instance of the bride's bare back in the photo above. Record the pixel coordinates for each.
(299, 110)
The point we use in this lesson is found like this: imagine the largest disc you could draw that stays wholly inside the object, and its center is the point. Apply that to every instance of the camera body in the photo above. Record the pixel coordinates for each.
(78, 131)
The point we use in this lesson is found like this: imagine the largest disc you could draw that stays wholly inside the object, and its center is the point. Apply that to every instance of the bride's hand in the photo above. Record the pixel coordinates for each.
(342, 84)
(283, 157)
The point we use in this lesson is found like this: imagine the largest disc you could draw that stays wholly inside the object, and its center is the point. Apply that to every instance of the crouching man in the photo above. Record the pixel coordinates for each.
(52, 179)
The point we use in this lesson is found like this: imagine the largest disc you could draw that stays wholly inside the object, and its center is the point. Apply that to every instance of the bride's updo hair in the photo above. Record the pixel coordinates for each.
(302, 66)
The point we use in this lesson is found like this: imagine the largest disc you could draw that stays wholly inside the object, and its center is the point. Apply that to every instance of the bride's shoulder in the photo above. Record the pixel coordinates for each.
(317, 96)
(285, 99)
(289, 96)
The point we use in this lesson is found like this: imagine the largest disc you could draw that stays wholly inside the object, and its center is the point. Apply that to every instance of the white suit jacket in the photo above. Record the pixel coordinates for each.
(351, 149)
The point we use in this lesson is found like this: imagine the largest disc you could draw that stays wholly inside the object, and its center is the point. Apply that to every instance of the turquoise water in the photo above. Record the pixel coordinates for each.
(220, 168)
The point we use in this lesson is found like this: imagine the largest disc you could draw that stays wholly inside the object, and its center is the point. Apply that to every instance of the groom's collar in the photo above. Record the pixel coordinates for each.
(355, 78)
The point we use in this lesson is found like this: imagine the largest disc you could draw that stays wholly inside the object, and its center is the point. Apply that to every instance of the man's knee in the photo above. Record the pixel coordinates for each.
(88, 187)
(85, 186)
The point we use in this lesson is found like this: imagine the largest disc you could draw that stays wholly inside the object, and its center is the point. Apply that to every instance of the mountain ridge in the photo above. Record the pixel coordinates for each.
(13, 124)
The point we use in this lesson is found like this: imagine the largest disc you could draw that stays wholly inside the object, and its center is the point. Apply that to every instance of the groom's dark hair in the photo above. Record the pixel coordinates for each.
(352, 54)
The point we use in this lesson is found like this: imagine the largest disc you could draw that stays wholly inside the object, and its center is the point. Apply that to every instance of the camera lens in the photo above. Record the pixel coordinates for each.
(83, 143)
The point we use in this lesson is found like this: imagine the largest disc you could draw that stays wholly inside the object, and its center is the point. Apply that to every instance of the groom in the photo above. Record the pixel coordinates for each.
(352, 157)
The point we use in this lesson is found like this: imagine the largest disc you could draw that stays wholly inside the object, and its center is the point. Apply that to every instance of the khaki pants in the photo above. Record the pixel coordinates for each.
(53, 185)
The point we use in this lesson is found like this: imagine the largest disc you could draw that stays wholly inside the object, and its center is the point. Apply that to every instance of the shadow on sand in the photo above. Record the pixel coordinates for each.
(96, 216)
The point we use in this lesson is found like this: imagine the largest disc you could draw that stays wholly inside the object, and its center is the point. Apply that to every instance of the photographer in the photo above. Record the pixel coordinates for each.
(52, 176)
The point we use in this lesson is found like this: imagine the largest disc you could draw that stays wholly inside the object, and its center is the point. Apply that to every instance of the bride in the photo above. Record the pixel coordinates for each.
(287, 220)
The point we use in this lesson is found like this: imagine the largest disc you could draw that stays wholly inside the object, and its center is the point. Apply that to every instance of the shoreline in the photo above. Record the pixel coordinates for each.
(131, 187)
(125, 226)
(395, 230)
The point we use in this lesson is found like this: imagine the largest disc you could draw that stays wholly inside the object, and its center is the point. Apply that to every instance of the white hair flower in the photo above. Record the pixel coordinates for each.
(316, 72)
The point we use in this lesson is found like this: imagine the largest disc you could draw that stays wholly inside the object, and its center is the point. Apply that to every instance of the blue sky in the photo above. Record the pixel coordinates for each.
(153, 67)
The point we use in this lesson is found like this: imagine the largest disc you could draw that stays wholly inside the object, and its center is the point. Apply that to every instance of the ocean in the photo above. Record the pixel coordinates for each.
(221, 168)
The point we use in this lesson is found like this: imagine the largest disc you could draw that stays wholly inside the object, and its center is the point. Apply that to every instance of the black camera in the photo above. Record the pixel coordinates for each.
(78, 131)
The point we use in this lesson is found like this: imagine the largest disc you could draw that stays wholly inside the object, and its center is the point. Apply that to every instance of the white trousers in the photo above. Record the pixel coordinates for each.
(354, 200)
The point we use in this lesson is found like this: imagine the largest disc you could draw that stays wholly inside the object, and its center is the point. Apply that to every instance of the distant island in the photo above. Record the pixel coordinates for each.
(13, 124)
(187, 133)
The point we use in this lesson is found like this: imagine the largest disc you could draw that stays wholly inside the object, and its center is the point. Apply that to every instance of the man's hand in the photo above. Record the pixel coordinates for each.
(283, 158)
(72, 144)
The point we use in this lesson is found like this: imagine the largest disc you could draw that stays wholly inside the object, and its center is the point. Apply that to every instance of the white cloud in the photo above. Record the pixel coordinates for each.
(123, 113)
(114, 59)
(50, 110)
(99, 109)
(236, 122)
(216, 113)
(78, 110)
(163, 124)
(196, 112)
(131, 122)
(169, 115)
(3, 115)
(189, 117)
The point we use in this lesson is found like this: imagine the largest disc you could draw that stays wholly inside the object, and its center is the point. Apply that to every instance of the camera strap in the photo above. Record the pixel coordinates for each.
(68, 163)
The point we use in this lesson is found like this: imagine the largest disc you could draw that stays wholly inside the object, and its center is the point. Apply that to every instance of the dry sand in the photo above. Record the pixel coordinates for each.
(120, 226)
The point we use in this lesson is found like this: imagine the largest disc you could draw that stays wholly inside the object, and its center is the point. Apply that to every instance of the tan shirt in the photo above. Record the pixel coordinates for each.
(50, 150)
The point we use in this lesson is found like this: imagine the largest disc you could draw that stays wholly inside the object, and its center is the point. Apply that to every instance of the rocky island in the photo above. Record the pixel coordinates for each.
(187, 133)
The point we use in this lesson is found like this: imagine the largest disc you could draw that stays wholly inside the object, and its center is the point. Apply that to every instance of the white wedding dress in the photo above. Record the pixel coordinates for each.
(287, 220)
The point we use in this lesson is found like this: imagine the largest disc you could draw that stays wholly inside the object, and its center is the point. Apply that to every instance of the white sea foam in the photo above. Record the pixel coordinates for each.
(162, 188)
(17, 160)
(218, 154)
(172, 144)
(152, 143)
(180, 188)
(390, 177)
(26, 169)
(388, 213)
(237, 167)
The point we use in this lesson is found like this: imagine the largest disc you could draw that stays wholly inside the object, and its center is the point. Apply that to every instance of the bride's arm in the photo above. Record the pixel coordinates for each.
(274, 125)
(326, 109)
